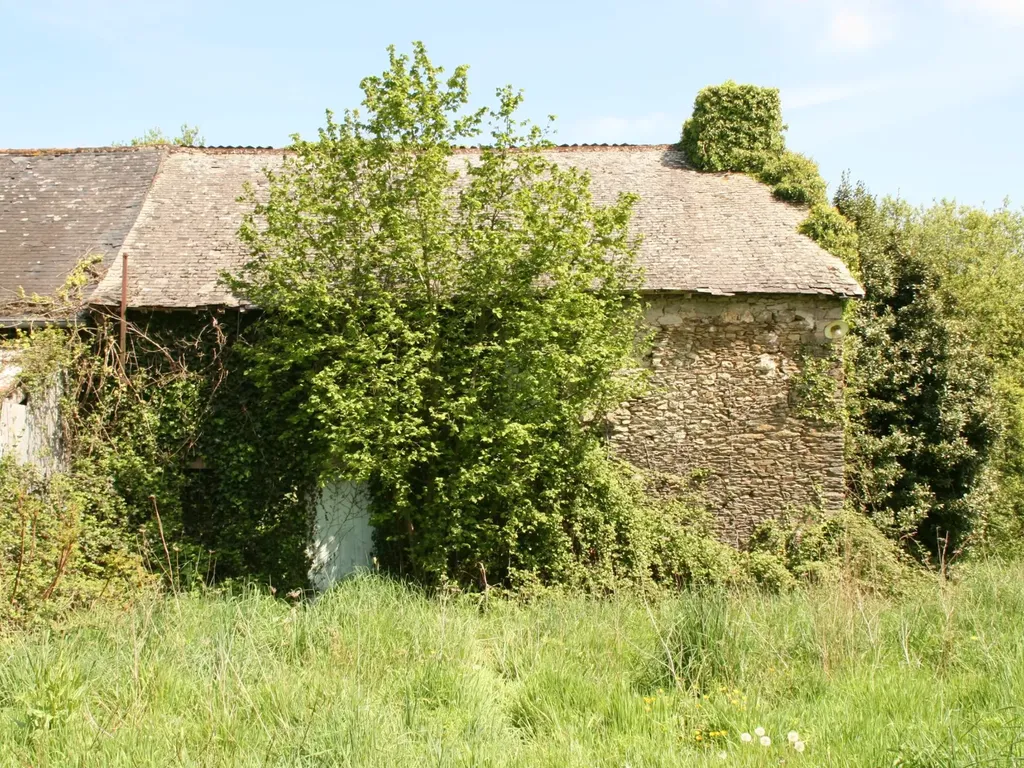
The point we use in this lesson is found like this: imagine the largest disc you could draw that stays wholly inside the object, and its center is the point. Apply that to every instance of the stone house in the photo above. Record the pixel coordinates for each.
(738, 298)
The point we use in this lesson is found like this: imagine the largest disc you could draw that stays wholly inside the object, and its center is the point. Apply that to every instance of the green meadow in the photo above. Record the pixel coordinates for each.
(376, 673)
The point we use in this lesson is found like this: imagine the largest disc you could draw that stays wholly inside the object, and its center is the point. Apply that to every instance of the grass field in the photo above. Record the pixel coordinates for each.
(376, 674)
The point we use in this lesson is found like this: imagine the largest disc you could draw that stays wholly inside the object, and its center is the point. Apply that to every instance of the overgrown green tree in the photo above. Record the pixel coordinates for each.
(980, 255)
(923, 414)
(450, 327)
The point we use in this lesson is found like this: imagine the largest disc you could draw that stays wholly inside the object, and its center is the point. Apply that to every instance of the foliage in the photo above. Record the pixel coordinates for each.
(815, 391)
(921, 401)
(130, 443)
(375, 673)
(826, 226)
(734, 127)
(59, 549)
(739, 128)
(453, 344)
(845, 547)
(65, 540)
(979, 256)
(793, 177)
(188, 137)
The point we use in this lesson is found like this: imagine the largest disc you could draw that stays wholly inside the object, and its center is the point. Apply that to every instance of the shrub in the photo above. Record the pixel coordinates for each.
(61, 546)
(769, 571)
(816, 548)
(454, 345)
(834, 232)
(793, 177)
(687, 552)
(733, 127)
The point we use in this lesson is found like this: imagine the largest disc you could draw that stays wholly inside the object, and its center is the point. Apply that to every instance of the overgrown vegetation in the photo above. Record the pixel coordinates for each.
(375, 673)
(451, 329)
(739, 128)
(162, 468)
(454, 344)
(188, 136)
(932, 401)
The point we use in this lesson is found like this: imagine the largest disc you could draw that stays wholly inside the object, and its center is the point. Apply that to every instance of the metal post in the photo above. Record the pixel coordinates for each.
(124, 309)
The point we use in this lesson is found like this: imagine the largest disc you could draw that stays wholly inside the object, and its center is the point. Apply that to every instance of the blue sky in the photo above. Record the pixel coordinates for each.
(922, 98)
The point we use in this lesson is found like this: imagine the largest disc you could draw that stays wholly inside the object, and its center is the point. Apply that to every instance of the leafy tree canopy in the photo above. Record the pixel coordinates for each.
(450, 327)
(924, 416)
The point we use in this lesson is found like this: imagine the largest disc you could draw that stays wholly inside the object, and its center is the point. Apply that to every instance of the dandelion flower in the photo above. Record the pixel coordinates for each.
(799, 746)
(746, 738)
(759, 731)
(793, 737)
(765, 741)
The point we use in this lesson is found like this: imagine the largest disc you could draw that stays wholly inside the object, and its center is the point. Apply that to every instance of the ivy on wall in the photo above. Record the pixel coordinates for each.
(924, 405)
(739, 128)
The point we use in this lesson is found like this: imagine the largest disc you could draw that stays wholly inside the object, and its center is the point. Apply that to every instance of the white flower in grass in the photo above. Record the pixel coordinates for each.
(793, 737)
(799, 746)
(765, 741)
(723, 755)
(746, 738)
(759, 731)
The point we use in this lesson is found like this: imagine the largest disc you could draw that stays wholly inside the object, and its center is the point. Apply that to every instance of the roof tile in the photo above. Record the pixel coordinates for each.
(713, 233)
(58, 208)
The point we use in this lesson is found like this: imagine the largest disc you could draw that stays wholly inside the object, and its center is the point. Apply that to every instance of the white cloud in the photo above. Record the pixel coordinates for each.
(1005, 10)
(851, 30)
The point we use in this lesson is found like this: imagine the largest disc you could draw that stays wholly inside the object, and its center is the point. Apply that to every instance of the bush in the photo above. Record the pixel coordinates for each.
(733, 127)
(834, 232)
(61, 546)
(817, 549)
(793, 177)
(453, 345)
(687, 552)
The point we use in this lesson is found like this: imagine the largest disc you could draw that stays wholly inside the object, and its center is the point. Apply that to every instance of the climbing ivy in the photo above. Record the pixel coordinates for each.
(814, 389)
(734, 127)
(739, 128)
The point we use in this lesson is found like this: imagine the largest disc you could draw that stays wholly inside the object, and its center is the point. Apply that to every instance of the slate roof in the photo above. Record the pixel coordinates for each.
(707, 233)
(57, 207)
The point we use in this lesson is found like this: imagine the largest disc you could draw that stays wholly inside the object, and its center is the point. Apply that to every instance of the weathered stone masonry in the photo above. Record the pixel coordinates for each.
(720, 408)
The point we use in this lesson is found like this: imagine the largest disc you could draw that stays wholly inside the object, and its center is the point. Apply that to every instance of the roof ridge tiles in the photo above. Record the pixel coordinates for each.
(254, 149)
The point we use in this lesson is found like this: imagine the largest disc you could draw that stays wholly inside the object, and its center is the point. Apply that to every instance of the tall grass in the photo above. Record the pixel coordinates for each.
(377, 674)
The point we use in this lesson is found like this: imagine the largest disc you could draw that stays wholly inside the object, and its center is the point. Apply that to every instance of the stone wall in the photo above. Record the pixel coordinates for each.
(29, 426)
(720, 412)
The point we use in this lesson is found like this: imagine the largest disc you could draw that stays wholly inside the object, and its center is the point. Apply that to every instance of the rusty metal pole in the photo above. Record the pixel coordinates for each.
(124, 309)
